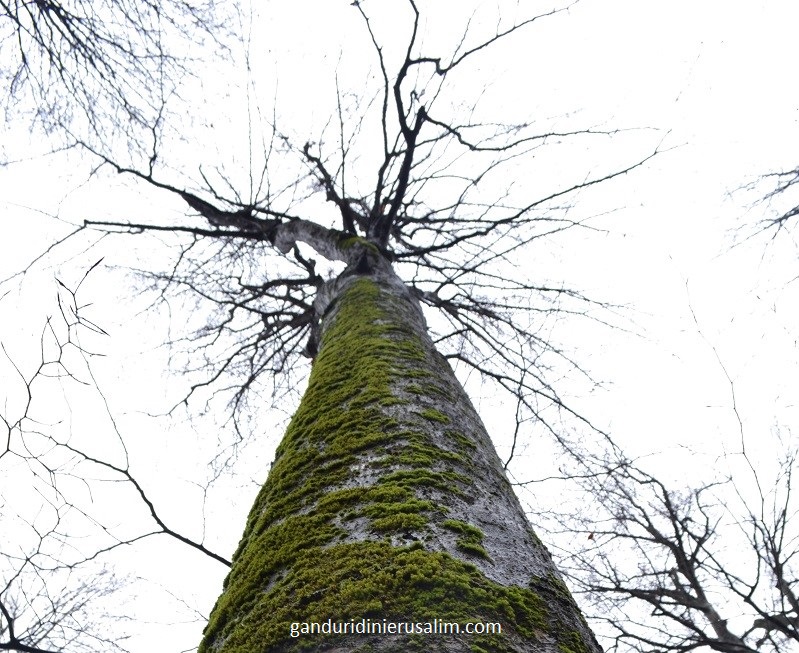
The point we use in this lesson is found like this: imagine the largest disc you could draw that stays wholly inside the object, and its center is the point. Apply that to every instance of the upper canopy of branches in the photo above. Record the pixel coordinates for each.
(406, 167)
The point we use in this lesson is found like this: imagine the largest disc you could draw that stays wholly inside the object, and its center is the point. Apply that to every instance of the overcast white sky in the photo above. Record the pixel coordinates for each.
(710, 79)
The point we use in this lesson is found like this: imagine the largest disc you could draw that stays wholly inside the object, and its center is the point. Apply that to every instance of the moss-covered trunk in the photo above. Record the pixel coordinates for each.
(387, 501)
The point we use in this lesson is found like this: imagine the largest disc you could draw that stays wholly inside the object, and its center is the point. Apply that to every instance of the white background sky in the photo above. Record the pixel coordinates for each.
(714, 78)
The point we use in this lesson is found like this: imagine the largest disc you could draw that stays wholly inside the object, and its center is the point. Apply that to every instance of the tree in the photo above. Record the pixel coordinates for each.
(94, 72)
(386, 499)
(703, 566)
(58, 591)
(684, 569)
(45, 605)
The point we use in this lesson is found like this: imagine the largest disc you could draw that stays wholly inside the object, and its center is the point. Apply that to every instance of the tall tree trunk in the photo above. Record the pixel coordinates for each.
(387, 501)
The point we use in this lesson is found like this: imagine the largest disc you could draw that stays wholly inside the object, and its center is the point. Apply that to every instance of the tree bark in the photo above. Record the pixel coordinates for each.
(387, 501)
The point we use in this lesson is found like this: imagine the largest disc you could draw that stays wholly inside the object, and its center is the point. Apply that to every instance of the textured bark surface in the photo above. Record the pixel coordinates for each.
(387, 500)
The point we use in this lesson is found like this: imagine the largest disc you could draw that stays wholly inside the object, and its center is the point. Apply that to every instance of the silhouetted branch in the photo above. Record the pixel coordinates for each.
(44, 603)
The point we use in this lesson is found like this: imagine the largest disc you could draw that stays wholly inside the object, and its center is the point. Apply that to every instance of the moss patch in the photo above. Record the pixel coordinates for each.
(471, 537)
(378, 581)
(347, 241)
(435, 416)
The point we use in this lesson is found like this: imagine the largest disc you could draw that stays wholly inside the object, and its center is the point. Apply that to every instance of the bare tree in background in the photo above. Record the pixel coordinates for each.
(783, 198)
(97, 71)
(386, 498)
(666, 568)
(703, 567)
(56, 595)
(46, 604)
(44, 611)
(93, 68)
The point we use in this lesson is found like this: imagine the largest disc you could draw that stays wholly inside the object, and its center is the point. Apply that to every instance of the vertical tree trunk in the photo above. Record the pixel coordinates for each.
(387, 501)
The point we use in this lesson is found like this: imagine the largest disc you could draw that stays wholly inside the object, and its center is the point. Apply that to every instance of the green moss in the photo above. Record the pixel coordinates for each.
(435, 416)
(399, 522)
(376, 580)
(559, 587)
(471, 537)
(557, 595)
(347, 241)
(426, 478)
(473, 549)
(376, 510)
(433, 389)
(463, 528)
(572, 642)
(416, 374)
(462, 441)
(488, 644)
(392, 401)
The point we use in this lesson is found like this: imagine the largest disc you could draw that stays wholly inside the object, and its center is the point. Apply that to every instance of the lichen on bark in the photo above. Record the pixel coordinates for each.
(386, 503)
